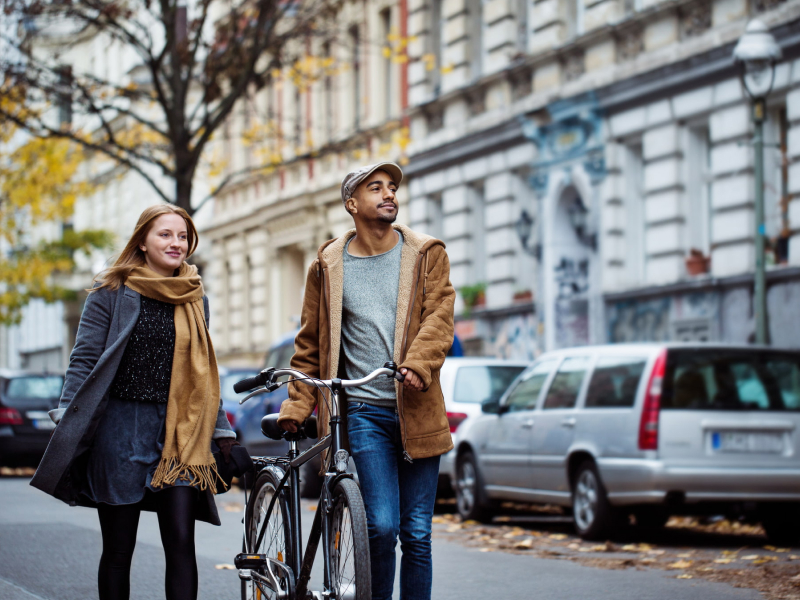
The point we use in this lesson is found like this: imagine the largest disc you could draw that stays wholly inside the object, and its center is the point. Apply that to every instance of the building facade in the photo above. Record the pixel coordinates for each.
(589, 164)
(346, 111)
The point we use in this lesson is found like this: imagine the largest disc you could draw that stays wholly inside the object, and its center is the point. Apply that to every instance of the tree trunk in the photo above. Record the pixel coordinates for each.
(183, 192)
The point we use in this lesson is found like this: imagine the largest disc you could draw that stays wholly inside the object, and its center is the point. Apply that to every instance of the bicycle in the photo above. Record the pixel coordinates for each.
(273, 565)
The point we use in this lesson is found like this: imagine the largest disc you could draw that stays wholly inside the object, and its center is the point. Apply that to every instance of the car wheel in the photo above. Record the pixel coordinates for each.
(781, 523)
(470, 496)
(595, 518)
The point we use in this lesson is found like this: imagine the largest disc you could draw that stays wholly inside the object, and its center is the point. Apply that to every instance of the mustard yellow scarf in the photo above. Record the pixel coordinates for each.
(193, 401)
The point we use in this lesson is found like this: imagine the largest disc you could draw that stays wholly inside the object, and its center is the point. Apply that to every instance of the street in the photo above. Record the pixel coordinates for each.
(50, 551)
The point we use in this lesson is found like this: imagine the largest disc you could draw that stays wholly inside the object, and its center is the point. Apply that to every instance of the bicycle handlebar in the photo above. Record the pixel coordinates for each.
(267, 378)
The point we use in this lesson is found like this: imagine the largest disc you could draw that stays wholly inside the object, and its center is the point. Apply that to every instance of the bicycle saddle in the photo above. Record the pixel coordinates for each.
(271, 429)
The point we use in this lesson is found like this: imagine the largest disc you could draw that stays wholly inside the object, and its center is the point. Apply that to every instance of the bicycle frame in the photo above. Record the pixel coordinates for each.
(335, 469)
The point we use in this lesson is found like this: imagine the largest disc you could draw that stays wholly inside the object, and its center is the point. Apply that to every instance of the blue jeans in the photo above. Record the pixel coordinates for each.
(399, 498)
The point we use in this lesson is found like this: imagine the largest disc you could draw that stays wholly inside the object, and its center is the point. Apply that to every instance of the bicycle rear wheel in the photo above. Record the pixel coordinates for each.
(348, 550)
(276, 540)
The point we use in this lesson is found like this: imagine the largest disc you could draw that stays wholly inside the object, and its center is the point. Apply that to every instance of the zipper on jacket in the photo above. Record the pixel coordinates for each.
(328, 308)
(406, 455)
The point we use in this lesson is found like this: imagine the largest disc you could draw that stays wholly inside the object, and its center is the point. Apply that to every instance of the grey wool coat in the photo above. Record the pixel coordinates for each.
(107, 322)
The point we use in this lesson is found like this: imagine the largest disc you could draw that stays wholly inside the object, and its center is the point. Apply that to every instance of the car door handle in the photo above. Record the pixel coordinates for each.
(568, 422)
(527, 424)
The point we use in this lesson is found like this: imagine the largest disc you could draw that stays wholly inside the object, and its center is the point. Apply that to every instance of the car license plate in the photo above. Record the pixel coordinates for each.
(40, 419)
(747, 442)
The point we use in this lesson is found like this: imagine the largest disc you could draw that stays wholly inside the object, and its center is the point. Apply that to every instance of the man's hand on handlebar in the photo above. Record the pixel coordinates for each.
(412, 381)
(289, 425)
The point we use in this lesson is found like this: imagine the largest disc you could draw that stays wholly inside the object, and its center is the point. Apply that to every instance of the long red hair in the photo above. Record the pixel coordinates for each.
(132, 255)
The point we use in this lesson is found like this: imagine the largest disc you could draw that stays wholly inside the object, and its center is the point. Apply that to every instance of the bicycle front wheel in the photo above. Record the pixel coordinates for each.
(348, 550)
(275, 542)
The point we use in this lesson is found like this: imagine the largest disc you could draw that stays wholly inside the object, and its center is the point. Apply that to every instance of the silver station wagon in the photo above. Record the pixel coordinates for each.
(649, 430)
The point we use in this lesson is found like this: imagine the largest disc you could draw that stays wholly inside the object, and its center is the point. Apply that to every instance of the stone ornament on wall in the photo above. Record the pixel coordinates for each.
(696, 17)
(574, 66)
(630, 45)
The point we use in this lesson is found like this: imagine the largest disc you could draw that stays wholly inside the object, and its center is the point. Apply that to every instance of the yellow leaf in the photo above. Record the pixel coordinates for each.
(684, 576)
(681, 564)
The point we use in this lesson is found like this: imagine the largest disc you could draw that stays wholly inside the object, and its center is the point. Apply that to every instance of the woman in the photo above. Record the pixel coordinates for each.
(141, 405)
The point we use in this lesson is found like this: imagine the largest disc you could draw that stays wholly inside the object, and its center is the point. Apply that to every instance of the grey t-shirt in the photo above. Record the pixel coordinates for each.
(369, 310)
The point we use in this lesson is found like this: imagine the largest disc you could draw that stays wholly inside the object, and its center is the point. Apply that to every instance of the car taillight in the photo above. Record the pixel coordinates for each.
(231, 418)
(10, 416)
(648, 427)
(455, 420)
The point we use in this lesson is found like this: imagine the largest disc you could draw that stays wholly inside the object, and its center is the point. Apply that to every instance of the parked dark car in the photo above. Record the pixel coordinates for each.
(230, 399)
(25, 426)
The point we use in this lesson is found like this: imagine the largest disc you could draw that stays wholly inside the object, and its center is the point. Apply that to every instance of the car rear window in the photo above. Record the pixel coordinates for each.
(614, 382)
(226, 384)
(566, 386)
(31, 390)
(480, 383)
(720, 379)
(526, 392)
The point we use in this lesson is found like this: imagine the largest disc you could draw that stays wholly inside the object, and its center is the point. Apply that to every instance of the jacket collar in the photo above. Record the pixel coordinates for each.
(331, 252)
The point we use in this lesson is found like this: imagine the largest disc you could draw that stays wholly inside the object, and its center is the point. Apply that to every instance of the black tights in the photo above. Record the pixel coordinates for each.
(118, 524)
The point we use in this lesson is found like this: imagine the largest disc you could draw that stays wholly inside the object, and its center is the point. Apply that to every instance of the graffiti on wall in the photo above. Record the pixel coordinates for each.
(572, 304)
(516, 339)
(683, 317)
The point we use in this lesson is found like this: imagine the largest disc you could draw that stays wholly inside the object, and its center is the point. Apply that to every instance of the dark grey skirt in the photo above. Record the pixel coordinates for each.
(125, 452)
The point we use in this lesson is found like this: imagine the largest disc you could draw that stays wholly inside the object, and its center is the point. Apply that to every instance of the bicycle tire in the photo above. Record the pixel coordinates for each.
(348, 549)
(276, 541)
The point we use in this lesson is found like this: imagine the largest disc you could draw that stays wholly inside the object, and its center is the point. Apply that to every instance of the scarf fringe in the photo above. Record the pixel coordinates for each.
(170, 470)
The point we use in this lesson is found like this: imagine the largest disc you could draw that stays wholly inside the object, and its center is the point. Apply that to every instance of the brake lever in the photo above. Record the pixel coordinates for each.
(252, 394)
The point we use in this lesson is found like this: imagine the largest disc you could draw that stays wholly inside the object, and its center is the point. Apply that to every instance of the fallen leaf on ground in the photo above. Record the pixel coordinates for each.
(794, 557)
(558, 536)
(765, 559)
(681, 564)
(657, 552)
(684, 576)
(438, 520)
(471, 522)
(750, 557)
(524, 544)
(225, 567)
(503, 519)
(453, 528)
(686, 555)
(723, 561)
(637, 548)
(312, 508)
(487, 549)
(233, 507)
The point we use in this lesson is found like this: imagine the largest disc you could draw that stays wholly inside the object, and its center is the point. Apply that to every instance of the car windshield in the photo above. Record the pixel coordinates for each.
(31, 390)
(475, 384)
(722, 379)
(226, 384)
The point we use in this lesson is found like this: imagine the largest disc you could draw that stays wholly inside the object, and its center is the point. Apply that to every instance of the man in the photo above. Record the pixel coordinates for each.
(382, 292)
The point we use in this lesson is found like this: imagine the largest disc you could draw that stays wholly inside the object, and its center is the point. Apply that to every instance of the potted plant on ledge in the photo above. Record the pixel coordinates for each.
(474, 296)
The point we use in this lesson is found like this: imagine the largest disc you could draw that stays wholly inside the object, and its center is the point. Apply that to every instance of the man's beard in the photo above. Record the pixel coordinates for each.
(388, 218)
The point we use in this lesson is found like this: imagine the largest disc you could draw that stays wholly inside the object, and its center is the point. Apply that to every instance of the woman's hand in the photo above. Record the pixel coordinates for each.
(412, 381)
(290, 426)
(225, 445)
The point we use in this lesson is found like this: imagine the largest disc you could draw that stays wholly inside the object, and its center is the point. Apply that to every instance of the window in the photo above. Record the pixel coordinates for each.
(328, 83)
(634, 211)
(526, 393)
(64, 95)
(356, 82)
(435, 46)
(614, 382)
(566, 386)
(23, 392)
(386, 66)
(475, 10)
(478, 384)
(731, 380)
(698, 189)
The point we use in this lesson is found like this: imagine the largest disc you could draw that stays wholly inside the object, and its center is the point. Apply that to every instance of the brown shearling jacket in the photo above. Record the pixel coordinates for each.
(423, 335)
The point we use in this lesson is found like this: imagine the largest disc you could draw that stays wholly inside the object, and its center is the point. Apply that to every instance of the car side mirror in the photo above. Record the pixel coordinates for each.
(491, 406)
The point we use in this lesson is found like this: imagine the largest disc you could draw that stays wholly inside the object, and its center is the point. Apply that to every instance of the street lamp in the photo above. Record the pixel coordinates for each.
(579, 219)
(524, 229)
(756, 54)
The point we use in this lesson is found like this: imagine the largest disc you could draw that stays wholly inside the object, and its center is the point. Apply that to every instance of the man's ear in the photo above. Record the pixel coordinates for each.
(351, 206)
